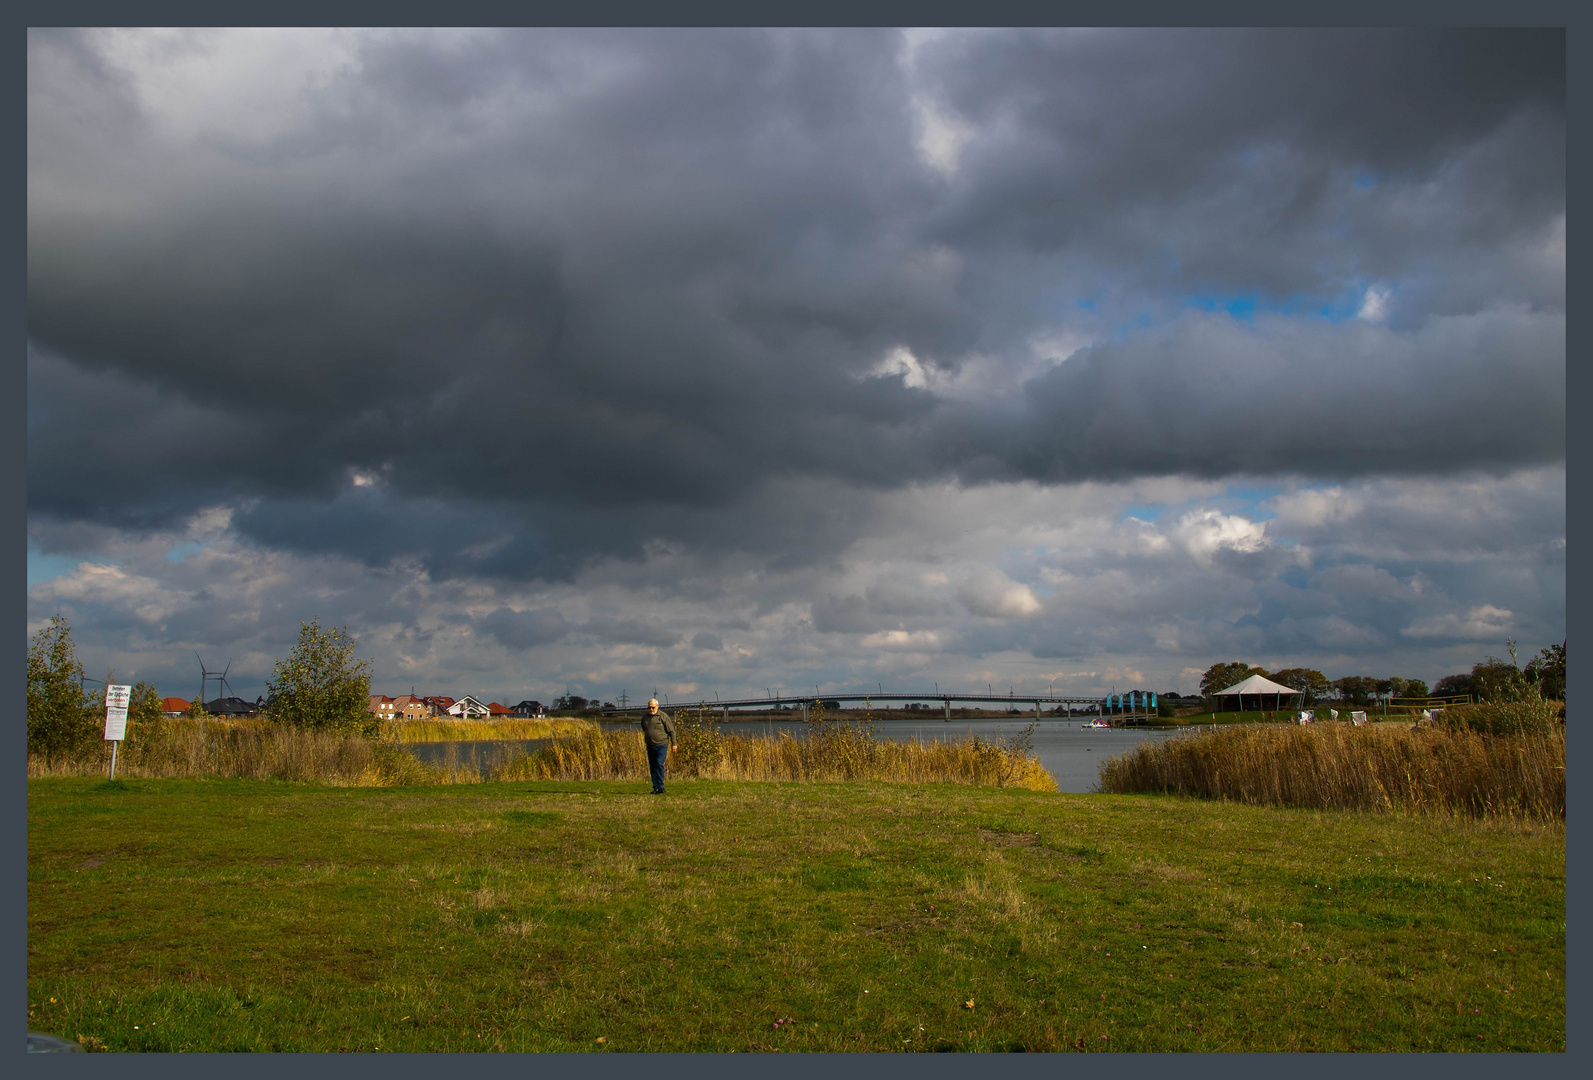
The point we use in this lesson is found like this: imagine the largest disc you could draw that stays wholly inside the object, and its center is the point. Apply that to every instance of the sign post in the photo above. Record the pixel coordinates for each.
(116, 700)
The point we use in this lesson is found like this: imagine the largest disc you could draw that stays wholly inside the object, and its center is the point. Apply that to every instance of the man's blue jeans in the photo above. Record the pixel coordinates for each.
(655, 763)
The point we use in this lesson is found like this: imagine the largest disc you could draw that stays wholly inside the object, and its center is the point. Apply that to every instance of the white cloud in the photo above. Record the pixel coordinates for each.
(1374, 305)
(901, 361)
(1205, 532)
(110, 586)
(994, 595)
(923, 641)
(928, 603)
(1483, 623)
(241, 85)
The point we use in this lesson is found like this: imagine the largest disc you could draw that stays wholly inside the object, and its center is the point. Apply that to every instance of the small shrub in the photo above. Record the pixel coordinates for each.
(60, 722)
(1523, 717)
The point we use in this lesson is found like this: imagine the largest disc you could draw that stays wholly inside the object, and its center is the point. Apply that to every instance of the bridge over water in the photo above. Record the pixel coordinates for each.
(1136, 701)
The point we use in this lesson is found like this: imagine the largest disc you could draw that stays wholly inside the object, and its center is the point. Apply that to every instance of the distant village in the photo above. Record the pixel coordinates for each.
(402, 707)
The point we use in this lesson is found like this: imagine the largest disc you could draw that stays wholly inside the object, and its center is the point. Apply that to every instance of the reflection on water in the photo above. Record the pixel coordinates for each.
(1070, 752)
(480, 756)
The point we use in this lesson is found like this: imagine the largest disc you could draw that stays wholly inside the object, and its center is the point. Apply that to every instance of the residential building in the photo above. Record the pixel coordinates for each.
(468, 708)
(410, 707)
(230, 706)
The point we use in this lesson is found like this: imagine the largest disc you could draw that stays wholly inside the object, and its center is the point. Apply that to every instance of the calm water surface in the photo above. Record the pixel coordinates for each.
(1070, 752)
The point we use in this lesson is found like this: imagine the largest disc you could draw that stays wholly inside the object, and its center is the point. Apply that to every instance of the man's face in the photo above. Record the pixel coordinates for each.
(652, 708)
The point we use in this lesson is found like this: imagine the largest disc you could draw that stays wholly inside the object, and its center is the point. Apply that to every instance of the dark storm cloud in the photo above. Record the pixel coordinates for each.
(517, 630)
(1110, 140)
(560, 294)
(1210, 396)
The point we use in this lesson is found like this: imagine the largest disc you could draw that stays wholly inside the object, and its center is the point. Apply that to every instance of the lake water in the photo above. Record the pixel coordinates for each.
(1070, 752)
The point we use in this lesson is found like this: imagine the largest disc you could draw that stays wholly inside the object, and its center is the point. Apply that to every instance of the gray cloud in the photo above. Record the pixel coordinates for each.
(677, 322)
(659, 281)
(1209, 396)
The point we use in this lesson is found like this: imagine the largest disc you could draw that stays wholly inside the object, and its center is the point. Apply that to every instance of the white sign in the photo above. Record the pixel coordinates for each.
(116, 699)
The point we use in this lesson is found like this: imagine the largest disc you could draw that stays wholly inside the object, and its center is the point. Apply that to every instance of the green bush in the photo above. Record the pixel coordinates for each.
(59, 721)
(322, 685)
(1529, 717)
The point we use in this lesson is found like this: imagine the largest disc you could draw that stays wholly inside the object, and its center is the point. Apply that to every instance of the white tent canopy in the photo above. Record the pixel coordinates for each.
(1257, 684)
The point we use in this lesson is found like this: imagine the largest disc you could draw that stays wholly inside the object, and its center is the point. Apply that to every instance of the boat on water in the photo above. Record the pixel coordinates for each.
(1096, 724)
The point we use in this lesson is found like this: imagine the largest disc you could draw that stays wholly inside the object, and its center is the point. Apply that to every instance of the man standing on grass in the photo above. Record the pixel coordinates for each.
(658, 729)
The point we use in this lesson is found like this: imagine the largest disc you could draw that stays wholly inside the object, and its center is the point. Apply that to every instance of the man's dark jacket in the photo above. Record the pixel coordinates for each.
(658, 730)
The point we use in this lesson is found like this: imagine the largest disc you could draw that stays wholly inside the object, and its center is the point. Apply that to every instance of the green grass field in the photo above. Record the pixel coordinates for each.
(254, 915)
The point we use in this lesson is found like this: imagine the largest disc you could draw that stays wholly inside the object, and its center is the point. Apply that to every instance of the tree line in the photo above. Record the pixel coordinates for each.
(320, 684)
(1490, 679)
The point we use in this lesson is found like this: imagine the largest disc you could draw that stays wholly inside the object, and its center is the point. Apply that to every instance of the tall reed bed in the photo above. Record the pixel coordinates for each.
(1434, 769)
(829, 752)
(262, 750)
(451, 730)
(252, 749)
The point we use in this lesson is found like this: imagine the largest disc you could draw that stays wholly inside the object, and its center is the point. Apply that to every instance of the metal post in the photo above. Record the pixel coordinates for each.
(113, 759)
(948, 710)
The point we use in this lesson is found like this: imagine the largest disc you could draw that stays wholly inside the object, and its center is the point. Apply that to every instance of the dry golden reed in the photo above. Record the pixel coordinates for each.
(1433, 769)
(252, 749)
(262, 750)
(828, 753)
(451, 730)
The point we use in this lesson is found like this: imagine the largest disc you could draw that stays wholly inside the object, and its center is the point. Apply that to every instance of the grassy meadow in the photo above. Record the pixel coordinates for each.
(226, 914)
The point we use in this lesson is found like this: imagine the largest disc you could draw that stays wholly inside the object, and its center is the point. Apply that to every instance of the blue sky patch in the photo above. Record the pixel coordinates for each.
(1145, 512)
(42, 567)
(182, 551)
(1247, 501)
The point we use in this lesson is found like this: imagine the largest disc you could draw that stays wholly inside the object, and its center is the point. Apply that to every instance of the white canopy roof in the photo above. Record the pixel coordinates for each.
(1258, 684)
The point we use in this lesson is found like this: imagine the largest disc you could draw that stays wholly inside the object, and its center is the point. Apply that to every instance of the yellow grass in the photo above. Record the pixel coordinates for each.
(451, 730)
(262, 750)
(1336, 766)
(829, 753)
(252, 749)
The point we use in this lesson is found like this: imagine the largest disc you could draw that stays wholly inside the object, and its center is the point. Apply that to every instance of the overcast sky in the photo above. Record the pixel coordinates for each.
(743, 360)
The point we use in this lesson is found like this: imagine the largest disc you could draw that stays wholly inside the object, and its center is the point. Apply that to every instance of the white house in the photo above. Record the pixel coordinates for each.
(468, 708)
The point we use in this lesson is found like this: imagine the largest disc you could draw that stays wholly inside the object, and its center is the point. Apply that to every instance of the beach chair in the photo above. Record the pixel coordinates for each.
(1305, 717)
(1357, 718)
(1333, 714)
